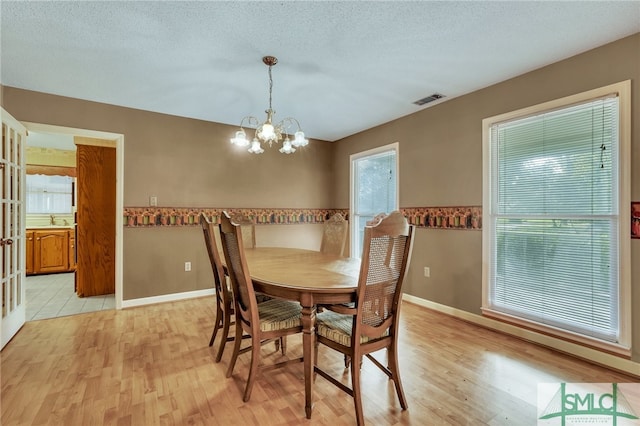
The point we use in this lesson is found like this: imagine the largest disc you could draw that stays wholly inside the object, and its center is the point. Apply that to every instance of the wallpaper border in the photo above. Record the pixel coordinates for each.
(462, 217)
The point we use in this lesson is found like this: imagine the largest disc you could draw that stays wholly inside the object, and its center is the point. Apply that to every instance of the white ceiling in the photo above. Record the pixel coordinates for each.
(343, 66)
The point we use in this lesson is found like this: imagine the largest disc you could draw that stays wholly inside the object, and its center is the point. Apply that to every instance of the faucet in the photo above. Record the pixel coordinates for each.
(53, 219)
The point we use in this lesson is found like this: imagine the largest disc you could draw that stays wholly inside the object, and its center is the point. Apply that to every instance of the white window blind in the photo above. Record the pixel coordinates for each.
(374, 190)
(49, 194)
(554, 216)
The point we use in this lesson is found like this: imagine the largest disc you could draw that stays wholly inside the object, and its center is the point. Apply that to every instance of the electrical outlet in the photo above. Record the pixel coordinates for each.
(153, 201)
(187, 266)
(427, 271)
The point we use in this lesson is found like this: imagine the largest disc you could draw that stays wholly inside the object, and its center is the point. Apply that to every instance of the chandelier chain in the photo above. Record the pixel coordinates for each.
(270, 86)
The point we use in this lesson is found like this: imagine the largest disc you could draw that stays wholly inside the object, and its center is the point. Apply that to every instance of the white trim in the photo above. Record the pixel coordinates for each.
(624, 203)
(517, 321)
(118, 142)
(173, 297)
(592, 355)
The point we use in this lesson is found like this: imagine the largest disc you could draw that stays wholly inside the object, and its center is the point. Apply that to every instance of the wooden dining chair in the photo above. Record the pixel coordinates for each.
(334, 235)
(372, 323)
(271, 319)
(224, 298)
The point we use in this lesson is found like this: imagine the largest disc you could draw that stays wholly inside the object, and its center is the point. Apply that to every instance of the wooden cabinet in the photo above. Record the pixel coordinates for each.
(29, 256)
(72, 251)
(50, 250)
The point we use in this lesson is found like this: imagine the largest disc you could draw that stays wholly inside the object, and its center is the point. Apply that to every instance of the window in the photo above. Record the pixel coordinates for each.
(49, 194)
(556, 233)
(374, 189)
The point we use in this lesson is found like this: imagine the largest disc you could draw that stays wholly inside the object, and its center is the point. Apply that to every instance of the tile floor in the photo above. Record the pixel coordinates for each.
(50, 296)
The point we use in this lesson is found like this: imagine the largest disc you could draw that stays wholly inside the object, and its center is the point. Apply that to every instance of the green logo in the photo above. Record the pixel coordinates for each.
(589, 406)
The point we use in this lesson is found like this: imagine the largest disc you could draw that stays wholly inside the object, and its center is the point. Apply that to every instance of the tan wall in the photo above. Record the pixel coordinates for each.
(441, 165)
(156, 257)
(186, 163)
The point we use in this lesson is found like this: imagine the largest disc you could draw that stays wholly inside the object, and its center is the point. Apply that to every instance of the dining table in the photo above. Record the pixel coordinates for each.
(309, 277)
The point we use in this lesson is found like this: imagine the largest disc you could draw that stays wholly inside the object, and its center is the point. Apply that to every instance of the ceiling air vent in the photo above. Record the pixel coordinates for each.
(428, 99)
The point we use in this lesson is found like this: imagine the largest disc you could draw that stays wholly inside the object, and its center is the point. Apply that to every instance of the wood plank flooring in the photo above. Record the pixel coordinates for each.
(151, 366)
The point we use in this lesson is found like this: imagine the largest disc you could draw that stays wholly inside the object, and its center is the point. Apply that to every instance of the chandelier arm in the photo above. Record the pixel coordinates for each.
(289, 120)
(251, 120)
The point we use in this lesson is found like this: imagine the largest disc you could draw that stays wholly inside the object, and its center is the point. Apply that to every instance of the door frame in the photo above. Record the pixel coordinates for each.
(118, 142)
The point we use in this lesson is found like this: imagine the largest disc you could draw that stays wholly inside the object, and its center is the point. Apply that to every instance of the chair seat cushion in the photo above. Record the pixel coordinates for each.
(338, 327)
(262, 297)
(277, 314)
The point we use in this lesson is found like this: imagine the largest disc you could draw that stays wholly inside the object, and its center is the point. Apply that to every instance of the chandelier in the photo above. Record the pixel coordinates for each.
(268, 132)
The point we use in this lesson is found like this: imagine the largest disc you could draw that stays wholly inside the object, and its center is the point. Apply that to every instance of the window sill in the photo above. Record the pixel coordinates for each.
(600, 345)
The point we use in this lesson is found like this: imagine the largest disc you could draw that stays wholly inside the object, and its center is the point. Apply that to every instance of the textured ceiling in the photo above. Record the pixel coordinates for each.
(343, 66)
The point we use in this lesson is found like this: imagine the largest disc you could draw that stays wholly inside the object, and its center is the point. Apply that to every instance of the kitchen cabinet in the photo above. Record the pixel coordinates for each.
(50, 250)
(29, 256)
(72, 251)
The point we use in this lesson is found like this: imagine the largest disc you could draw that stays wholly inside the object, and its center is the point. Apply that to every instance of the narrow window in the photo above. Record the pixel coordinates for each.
(374, 189)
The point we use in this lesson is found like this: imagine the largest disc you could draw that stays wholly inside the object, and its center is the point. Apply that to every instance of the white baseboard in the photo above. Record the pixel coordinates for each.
(579, 351)
(167, 298)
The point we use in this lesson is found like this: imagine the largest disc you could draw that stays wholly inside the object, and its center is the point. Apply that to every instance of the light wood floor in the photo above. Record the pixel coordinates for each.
(152, 366)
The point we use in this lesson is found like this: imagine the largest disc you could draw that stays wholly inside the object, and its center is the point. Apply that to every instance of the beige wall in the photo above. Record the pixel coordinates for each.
(154, 258)
(186, 163)
(441, 165)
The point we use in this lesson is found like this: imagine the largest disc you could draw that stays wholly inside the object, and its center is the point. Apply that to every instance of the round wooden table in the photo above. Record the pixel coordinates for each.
(311, 278)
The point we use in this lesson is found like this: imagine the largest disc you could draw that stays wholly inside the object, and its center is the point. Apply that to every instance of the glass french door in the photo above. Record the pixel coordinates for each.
(12, 226)
(374, 189)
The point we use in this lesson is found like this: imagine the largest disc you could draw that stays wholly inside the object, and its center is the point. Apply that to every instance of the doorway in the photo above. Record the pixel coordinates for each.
(116, 141)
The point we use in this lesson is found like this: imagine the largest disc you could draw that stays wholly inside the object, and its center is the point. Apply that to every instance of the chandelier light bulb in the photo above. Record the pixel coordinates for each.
(299, 139)
(287, 148)
(267, 133)
(255, 147)
(240, 139)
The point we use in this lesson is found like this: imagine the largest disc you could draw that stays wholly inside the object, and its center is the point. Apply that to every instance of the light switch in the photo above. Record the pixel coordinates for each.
(153, 201)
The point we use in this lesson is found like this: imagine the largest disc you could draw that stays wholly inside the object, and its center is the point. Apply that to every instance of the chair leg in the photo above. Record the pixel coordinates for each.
(355, 385)
(253, 368)
(315, 359)
(236, 348)
(392, 354)
(283, 345)
(217, 325)
(225, 333)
